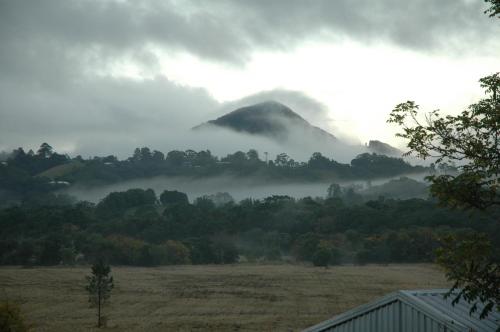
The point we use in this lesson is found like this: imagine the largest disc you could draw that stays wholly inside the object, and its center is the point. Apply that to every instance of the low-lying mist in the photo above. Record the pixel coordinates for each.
(239, 188)
(298, 144)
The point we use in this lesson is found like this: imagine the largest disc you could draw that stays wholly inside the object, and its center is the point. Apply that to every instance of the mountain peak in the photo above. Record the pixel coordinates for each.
(269, 118)
(265, 108)
(383, 148)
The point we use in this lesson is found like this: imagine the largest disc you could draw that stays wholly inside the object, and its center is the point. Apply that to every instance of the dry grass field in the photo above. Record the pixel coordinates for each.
(207, 298)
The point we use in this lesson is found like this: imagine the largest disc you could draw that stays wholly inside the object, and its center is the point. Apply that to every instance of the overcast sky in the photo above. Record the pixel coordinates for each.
(102, 77)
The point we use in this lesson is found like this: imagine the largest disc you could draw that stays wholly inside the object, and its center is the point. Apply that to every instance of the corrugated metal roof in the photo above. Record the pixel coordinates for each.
(460, 311)
(431, 303)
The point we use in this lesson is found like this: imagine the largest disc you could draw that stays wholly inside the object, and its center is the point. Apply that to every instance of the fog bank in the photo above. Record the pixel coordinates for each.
(238, 188)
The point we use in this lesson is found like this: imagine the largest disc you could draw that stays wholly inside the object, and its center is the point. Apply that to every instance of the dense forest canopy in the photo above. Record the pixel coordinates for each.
(139, 227)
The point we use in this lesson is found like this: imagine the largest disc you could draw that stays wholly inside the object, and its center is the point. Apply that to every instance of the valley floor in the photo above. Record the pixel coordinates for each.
(207, 298)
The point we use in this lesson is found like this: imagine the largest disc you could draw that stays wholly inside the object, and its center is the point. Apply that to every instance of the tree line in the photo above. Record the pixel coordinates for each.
(137, 227)
(27, 174)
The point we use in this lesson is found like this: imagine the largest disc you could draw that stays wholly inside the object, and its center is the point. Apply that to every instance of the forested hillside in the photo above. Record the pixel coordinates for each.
(25, 174)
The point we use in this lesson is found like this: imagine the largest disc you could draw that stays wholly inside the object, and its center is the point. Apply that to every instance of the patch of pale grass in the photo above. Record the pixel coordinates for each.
(200, 298)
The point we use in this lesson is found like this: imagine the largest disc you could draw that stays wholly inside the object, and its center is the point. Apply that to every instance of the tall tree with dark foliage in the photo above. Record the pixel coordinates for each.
(472, 139)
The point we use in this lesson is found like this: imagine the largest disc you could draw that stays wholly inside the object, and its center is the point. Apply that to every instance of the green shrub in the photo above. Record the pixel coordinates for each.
(322, 257)
(11, 319)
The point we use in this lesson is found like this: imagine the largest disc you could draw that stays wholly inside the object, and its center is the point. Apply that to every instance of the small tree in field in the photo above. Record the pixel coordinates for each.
(99, 287)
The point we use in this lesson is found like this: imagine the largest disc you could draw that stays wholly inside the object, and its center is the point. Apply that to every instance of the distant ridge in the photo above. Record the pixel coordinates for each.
(383, 148)
(270, 118)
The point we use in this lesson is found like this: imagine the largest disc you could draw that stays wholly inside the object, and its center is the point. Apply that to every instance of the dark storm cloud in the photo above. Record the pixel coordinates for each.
(228, 30)
(50, 42)
(109, 28)
(417, 24)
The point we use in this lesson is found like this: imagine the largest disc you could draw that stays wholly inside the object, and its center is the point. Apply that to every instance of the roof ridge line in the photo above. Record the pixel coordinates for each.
(419, 304)
(404, 296)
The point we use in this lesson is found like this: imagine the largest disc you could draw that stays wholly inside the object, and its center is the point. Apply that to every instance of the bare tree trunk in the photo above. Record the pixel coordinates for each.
(99, 307)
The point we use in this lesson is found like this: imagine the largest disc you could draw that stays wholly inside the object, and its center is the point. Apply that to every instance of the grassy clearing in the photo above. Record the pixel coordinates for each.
(201, 298)
(61, 170)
